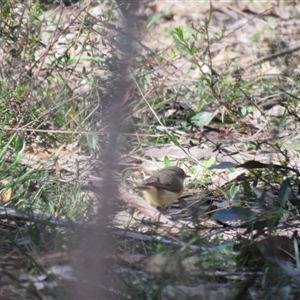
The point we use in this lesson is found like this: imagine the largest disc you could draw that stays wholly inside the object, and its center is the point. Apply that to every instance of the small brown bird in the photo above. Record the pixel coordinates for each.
(164, 186)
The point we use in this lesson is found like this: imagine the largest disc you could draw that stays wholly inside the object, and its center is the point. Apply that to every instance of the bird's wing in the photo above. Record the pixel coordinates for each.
(155, 182)
(152, 180)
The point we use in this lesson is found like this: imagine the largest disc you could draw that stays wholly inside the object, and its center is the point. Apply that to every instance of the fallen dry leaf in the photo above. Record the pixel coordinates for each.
(171, 264)
(6, 193)
(272, 249)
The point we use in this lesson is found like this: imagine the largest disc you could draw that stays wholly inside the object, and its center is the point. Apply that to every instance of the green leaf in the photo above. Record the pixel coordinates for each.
(234, 190)
(207, 20)
(92, 139)
(253, 164)
(294, 146)
(296, 248)
(153, 19)
(202, 119)
(284, 192)
(209, 162)
(173, 139)
(246, 110)
(224, 165)
(5, 11)
(179, 33)
(6, 146)
(234, 214)
(26, 240)
(181, 37)
(193, 50)
(19, 143)
(167, 162)
(177, 41)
